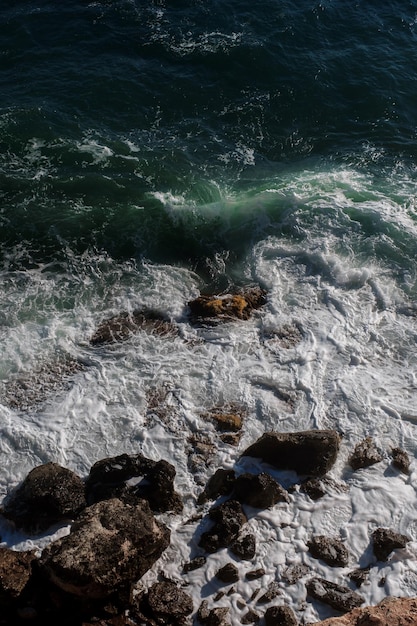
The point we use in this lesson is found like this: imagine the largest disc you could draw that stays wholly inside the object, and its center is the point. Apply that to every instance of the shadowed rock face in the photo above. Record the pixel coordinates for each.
(124, 325)
(110, 546)
(259, 490)
(310, 452)
(49, 494)
(390, 612)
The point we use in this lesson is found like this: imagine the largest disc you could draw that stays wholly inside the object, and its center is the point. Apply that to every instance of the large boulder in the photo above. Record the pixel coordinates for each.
(311, 452)
(134, 477)
(390, 612)
(110, 546)
(49, 494)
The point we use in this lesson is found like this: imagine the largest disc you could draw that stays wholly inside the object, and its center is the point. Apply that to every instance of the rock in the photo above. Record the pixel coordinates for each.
(307, 452)
(255, 574)
(196, 563)
(152, 480)
(390, 612)
(259, 490)
(244, 547)
(365, 454)
(250, 617)
(220, 484)
(339, 597)
(213, 617)
(124, 325)
(401, 460)
(228, 519)
(359, 576)
(293, 573)
(200, 455)
(49, 494)
(331, 551)
(228, 418)
(110, 545)
(386, 540)
(15, 573)
(313, 488)
(273, 591)
(168, 604)
(221, 308)
(280, 616)
(228, 573)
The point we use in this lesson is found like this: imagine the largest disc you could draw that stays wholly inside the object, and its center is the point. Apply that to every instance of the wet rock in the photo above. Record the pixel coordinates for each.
(218, 616)
(273, 591)
(313, 488)
(167, 604)
(221, 308)
(124, 325)
(280, 616)
(226, 418)
(228, 573)
(331, 551)
(228, 519)
(359, 576)
(255, 574)
(15, 573)
(134, 477)
(196, 563)
(111, 545)
(337, 596)
(307, 452)
(365, 454)
(49, 494)
(200, 455)
(390, 612)
(401, 460)
(293, 573)
(385, 541)
(259, 490)
(250, 617)
(244, 547)
(220, 484)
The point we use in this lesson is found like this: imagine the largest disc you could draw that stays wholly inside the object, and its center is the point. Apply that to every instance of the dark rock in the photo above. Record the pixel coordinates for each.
(307, 453)
(401, 460)
(221, 308)
(124, 325)
(339, 597)
(196, 563)
(259, 490)
(49, 494)
(359, 576)
(255, 573)
(228, 573)
(365, 454)
(244, 547)
(169, 604)
(293, 573)
(213, 617)
(228, 519)
(231, 439)
(273, 591)
(331, 551)
(111, 545)
(386, 540)
(15, 573)
(250, 617)
(313, 488)
(153, 481)
(280, 616)
(220, 484)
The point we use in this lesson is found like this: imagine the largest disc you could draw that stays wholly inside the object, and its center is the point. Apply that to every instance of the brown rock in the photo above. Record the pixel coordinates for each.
(195, 563)
(250, 617)
(386, 540)
(218, 616)
(293, 573)
(401, 460)
(307, 452)
(273, 591)
(15, 573)
(331, 551)
(110, 545)
(359, 576)
(169, 604)
(255, 574)
(124, 325)
(364, 454)
(390, 612)
(339, 597)
(221, 308)
(280, 616)
(228, 573)
(228, 519)
(259, 490)
(49, 494)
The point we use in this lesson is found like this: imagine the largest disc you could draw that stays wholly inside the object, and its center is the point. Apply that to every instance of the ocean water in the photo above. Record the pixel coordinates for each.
(154, 150)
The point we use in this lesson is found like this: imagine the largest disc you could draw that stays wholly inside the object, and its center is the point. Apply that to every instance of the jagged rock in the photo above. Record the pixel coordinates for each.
(244, 547)
(331, 551)
(168, 604)
(313, 488)
(218, 616)
(273, 591)
(365, 454)
(250, 617)
(390, 612)
(255, 574)
(110, 545)
(196, 563)
(401, 460)
(280, 616)
(359, 576)
(220, 308)
(49, 494)
(152, 481)
(228, 573)
(310, 452)
(228, 519)
(293, 573)
(15, 573)
(385, 541)
(259, 490)
(339, 597)
(220, 484)
(124, 325)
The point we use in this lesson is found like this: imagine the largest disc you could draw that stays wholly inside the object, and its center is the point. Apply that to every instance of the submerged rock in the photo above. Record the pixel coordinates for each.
(390, 612)
(124, 325)
(110, 546)
(337, 596)
(331, 551)
(365, 454)
(259, 490)
(134, 477)
(386, 540)
(310, 452)
(49, 494)
(221, 308)
(228, 519)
